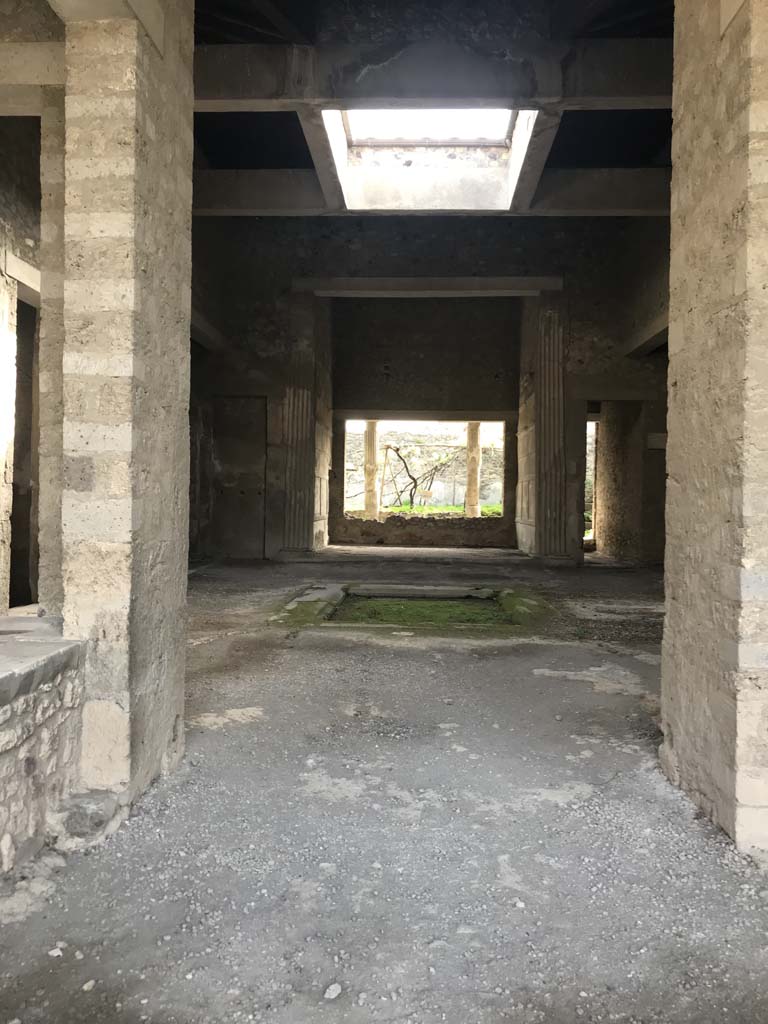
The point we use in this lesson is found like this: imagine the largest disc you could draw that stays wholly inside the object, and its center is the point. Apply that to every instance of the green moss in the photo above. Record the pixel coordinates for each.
(398, 611)
(436, 510)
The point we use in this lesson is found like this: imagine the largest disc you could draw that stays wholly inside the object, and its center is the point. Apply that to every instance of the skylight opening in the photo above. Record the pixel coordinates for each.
(486, 126)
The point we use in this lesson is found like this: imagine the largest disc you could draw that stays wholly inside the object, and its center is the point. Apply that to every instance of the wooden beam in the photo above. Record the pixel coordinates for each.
(544, 132)
(649, 337)
(253, 77)
(590, 192)
(591, 74)
(320, 149)
(288, 193)
(205, 333)
(426, 287)
(26, 276)
(603, 192)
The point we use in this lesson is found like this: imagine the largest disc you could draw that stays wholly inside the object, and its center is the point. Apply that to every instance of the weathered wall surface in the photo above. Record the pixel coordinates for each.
(426, 355)
(714, 676)
(20, 187)
(29, 21)
(264, 258)
(40, 721)
(126, 387)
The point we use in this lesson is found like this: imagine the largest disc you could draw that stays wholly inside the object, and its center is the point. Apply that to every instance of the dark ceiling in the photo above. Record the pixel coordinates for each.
(254, 21)
(251, 141)
(617, 138)
(613, 138)
(296, 21)
(634, 18)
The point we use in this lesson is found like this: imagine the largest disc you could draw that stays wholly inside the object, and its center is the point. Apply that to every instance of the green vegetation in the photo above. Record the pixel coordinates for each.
(418, 611)
(436, 510)
(510, 608)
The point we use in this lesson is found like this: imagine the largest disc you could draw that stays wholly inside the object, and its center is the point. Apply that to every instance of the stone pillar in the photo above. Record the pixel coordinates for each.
(338, 473)
(547, 505)
(474, 461)
(298, 429)
(7, 418)
(619, 519)
(715, 656)
(51, 354)
(371, 469)
(125, 502)
(323, 421)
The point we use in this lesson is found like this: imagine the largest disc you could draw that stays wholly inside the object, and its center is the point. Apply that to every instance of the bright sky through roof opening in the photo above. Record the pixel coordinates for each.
(458, 127)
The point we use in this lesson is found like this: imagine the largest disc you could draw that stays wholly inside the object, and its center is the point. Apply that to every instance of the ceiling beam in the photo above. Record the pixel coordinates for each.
(649, 337)
(426, 287)
(593, 74)
(287, 193)
(598, 74)
(206, 333)
(603, 192)
(544, 132)
(322, 156)
(612, 192)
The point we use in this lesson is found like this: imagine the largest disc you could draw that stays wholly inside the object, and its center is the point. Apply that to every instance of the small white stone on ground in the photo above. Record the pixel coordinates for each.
(88, 985)
(333, 991)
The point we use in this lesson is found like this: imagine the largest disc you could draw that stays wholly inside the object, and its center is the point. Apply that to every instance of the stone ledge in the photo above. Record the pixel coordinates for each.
(31, 654)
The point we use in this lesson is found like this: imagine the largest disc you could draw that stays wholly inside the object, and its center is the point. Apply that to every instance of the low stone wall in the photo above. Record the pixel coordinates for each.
(41, 698)
(425, 531)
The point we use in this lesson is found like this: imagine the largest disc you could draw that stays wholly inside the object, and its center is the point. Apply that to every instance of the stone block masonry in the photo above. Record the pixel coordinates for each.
(715, 658)
(127, 274)
(41, 695)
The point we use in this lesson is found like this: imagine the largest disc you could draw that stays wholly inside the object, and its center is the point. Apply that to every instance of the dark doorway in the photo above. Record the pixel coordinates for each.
(23, 584)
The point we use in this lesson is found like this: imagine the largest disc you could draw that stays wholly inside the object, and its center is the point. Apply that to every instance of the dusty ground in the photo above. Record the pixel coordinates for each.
(424, 828)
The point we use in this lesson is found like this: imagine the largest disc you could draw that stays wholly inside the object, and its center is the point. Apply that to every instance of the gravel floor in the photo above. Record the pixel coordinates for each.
(373, 826)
